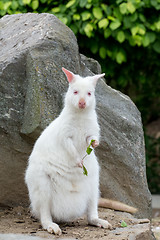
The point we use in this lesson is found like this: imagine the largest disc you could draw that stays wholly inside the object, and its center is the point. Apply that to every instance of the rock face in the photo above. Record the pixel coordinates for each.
(33, 49)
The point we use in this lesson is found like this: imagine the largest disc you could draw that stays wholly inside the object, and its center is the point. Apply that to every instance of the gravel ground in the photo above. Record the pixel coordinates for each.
(19, 221)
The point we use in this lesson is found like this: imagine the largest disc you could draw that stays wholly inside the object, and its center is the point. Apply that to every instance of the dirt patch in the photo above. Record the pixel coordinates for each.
(19, 220)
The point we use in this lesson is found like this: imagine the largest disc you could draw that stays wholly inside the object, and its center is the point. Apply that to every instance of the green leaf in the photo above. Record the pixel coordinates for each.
(102, 52)
(131, 8)
(55, 10)
(94, 47)
(76, 17)
(104, 7)
(134, 30)
(91, 142)
(114, 25)
(152, 36)
(74, 28)
(63, 19)
(109, 53)
(6, 5)
(123, 8)
(133, 17)
(157, 25)
(35, 4)
(120, 57)
(88, 29)
(120, 36)
(89, 150)
(137, 40)
(119, 1)
(154, 3)
(85, 15)
(145, 41)
(70, 3)
(63, 10)
(1, 5)
(88, 6)
(97, 13)
(157, 7)
(117, 14)
(156, 46)
(142, 17)
(85, 172)
(103, 23)
(82, 3)
(107, 32)
(111, 18)
(26, 1)
(127, 22)
(141, 30)
(14, 5)
(108, 11)
(123, 224)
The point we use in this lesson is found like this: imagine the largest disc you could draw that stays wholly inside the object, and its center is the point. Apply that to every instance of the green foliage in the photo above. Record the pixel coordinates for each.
(153, 163)
(85, 172)
(123, 224)
(124, 36)
(88, 151)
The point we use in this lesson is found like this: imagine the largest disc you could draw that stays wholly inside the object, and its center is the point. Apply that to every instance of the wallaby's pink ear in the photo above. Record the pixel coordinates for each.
(96, 77)
(69, 75)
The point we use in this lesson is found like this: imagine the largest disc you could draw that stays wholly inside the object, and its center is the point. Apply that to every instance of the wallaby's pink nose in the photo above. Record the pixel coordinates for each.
(82, 103)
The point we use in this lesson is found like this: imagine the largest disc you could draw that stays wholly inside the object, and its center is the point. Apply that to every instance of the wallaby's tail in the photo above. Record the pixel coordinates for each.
(115, 205)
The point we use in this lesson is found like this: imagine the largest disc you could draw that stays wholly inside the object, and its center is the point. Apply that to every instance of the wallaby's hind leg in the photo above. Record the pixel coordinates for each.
(40, 191)
(92, 211)
(45, 198)
(93, 218)
(46, 221)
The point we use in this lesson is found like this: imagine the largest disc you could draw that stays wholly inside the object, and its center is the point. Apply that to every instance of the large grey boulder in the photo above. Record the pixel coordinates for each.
(33, 48)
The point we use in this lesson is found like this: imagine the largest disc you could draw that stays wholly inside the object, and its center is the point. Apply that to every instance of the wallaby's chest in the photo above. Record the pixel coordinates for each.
(80, 127)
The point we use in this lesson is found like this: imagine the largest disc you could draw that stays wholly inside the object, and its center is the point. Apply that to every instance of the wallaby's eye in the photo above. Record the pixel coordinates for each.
(75, 92)
(89, 93)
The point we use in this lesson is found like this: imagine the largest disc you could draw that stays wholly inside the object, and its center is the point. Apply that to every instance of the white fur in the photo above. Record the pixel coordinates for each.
(58, 189)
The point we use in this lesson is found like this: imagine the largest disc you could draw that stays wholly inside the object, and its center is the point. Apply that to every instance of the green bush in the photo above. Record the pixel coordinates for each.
(123, 35)
(152, 161)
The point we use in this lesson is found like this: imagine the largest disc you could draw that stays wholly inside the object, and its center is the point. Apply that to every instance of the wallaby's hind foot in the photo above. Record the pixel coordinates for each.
(98, 222)
(53, 228)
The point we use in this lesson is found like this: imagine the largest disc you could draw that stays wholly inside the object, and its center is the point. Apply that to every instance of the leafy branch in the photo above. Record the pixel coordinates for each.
(88, 152)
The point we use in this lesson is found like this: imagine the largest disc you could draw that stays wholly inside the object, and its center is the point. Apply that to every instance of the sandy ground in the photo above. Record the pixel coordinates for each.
(19, 220)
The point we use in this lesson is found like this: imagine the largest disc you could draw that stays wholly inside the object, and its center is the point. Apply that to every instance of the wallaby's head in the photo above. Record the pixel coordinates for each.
(81, 90)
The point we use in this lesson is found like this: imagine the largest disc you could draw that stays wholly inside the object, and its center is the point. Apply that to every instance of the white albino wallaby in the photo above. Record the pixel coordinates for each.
(58, 189)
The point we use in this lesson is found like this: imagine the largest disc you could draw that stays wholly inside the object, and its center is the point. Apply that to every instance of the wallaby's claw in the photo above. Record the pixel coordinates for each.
(95, 144)
(80, 164)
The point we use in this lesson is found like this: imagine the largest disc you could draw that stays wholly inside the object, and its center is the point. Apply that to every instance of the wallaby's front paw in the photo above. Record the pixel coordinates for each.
(95, 144)
(101, 223)
(54, 228)
(80, 164)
